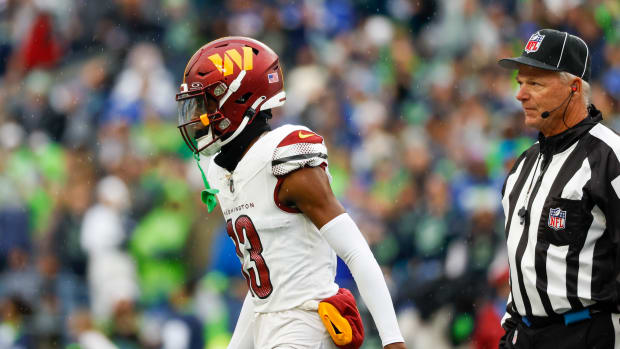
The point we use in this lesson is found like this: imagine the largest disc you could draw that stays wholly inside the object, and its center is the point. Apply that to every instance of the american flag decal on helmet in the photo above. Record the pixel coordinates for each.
(273, 77)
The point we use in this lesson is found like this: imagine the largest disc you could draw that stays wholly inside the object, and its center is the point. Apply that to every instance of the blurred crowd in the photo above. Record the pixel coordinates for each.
(104, 242)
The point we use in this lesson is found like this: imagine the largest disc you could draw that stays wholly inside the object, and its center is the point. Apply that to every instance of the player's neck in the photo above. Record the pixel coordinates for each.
(252, 143)
(234, 151)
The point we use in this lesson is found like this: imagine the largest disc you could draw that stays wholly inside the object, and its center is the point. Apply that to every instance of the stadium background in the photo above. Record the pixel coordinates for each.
(103, 238)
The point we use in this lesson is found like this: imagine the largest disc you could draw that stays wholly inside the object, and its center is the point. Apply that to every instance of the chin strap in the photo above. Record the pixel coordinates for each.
(208, 195)
(234, 86)
(249, 115)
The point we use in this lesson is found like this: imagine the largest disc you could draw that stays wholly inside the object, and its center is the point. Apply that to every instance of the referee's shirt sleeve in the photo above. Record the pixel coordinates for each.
(506, 320)
(612, 211)
(605, 187)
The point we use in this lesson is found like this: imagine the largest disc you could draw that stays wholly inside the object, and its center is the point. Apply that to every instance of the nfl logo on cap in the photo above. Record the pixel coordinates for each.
(557, 219)
(534, 43)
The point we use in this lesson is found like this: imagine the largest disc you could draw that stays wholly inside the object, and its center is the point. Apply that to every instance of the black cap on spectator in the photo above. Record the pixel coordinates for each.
(554, 50)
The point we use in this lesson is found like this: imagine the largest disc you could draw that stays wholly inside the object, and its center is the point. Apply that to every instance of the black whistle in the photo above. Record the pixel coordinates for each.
(522, 214)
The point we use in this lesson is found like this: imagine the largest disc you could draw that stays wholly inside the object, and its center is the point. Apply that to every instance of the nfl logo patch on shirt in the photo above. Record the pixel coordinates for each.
(272, 77)
(557, 219)
(534, 43)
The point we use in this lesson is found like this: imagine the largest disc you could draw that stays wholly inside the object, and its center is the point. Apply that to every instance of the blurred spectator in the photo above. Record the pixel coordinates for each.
(159, 239)
(144, 84)
(83, 330)
(182, 329)
(14, 227)
(64, 234)
(20, 277)
(488, 330)
(57, 296)
(15, 331)
(124, 325)
(111, 272)
(40, 47)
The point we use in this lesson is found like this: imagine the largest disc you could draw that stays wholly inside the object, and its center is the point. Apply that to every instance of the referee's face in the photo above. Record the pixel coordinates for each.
(540, 90)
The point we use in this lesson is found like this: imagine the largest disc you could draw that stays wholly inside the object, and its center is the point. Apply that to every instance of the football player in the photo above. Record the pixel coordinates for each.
(274, 191)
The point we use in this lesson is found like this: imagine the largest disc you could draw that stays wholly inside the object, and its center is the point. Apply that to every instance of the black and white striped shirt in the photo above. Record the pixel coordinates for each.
(564, 247)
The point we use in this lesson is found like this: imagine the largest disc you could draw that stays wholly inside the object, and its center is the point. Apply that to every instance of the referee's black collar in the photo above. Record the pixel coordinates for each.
(562, 141)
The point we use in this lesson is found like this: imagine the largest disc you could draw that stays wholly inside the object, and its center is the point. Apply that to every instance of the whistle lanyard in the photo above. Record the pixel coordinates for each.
(523, 212)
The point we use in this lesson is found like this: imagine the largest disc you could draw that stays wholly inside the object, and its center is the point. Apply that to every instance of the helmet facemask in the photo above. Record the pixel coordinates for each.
(202, 124)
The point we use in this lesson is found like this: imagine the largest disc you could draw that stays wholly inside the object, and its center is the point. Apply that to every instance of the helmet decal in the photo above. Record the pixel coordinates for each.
(231, 56)
(196, 86)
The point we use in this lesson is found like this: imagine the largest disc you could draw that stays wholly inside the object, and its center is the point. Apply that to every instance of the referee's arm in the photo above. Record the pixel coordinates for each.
(605, 188)
(507, 322)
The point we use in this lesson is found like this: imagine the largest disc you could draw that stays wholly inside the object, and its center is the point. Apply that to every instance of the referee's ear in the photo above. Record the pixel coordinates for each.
(576, 86)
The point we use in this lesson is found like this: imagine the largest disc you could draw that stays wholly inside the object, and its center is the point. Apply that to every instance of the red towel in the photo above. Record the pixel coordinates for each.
(40, 48)
(342, 320)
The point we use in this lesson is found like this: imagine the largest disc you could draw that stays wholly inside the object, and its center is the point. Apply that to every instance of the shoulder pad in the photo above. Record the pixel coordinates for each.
(300, 148)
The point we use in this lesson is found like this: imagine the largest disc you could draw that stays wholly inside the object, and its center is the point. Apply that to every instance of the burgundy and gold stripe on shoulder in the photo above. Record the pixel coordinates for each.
(301, 136)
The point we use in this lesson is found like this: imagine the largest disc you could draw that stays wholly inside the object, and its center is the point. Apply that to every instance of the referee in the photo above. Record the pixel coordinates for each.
(562, 206)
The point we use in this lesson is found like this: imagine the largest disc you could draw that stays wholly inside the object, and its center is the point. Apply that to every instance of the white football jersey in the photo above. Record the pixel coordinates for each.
(285, 260)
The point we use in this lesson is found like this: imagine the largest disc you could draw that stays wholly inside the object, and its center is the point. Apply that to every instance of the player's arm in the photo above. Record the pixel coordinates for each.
(308, 189)
(243, 335)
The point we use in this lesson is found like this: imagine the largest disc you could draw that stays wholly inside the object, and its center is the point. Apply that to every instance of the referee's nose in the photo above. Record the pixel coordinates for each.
(522, 95)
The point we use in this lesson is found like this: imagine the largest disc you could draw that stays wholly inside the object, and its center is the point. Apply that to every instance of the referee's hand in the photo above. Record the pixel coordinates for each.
(399, 345)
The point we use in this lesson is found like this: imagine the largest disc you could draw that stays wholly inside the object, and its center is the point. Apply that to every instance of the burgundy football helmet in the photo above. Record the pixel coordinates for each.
(225, 84)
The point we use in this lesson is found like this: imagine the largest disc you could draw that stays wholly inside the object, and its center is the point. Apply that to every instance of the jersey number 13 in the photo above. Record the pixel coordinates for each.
(262, 287)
